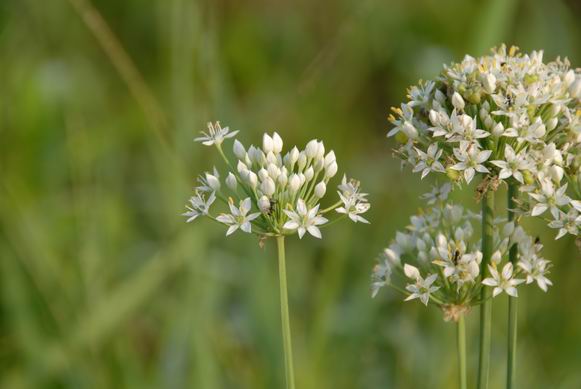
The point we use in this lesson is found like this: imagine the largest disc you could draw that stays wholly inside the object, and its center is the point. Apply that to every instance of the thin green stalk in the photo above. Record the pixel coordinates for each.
(486, 307)
(286, 331)
(512, 301)
(461, 336)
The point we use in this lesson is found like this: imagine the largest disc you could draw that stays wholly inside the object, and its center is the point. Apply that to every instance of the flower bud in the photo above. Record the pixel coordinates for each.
(282, 179)
(302, 178)
(312, 148)
(569, 78)
(273, 171)
(276, 143)
(452, 174)
(302, 161)
(267, 143)
(554, 110)
(231, 181)
(213, 182)
(575, 88)
(241, 167)
(309, 173)
(320, 151)
(268, 187)
(496, 257)
(271, 158)
(408, 129)
(439, 96)
(551, 124)
(293, 157)
(252, 179)
(434, 117)
(330, 157)
(262, 174)
(556, 172)
(294, 183)
(264, 204)
(489, 83)
(320, 189)
(239, 150)
(488, 121)
(331, 170)
(498, 129)
(528, 177)
(458, 101)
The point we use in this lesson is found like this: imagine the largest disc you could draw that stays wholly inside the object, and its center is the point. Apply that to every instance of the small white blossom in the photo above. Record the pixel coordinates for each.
(304, 220)
(199, 206)
(422, 288)
(513, 165)
(215, 135)
(502, 282)
(470, 160)
(238, 217)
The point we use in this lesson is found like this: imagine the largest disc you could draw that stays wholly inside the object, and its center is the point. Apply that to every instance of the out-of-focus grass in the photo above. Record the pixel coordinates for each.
(102, 285)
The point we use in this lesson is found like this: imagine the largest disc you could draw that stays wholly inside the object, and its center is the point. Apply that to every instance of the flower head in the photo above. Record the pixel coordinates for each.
(284, 189)
(502, 282)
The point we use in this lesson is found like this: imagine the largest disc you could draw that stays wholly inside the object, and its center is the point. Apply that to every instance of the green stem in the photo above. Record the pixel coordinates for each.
(486, 307)
(462, 352)
(284, 313)
(512, 301)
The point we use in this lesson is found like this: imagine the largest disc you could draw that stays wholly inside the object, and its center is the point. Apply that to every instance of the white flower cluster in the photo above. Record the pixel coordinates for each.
(507, 115)
(438, 257)
(276, 194)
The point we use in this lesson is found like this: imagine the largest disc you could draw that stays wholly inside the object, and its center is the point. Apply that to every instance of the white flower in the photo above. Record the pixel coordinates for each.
(231, 181)
(404, 125)
(199, 206)
(549, 198)
(380, 277)
(209, 182)
(304, 219)
(215, 135)
(502, 281)
(428, 162)
(513, 164)
(566, 223)
(535, 269)
(238, 218)
(320, 189)
(458, 101)
(422, 288)
(437, 194)
(353, 206)
(471, 160)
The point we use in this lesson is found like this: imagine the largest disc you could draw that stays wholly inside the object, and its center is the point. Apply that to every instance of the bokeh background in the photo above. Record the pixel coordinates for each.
(103, 285)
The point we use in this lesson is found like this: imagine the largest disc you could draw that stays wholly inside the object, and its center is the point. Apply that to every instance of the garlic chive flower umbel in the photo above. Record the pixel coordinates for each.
(508, 116)
(437, 258)
(269, 193)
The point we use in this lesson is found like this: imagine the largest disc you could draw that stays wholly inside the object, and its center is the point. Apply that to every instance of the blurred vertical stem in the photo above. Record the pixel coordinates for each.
(486, 307)
(461, 333)
(512, 301)
(284, 313)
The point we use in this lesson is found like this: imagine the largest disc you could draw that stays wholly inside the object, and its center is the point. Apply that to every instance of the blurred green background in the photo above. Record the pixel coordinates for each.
(103, 285)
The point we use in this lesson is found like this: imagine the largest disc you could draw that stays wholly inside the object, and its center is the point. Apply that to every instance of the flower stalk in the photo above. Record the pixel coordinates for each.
(512, 301)
(284, 314)
(461, 337)
(486, 307)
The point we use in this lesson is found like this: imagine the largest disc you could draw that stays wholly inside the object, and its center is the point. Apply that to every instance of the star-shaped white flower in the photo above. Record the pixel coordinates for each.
(239, 218)
(199, 205)
(549, 198)
(215, 135)
(502, 282)
(513, 165)
(470, 160)
(422, 288)
(304, 219)
(536, 269)
(353, 206)
(569, 222)
(429, 161)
